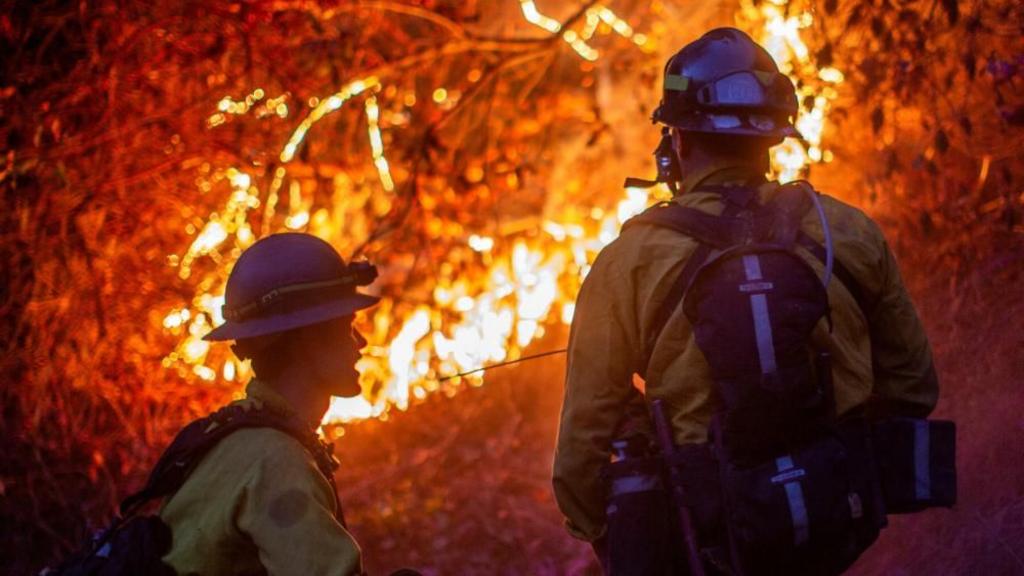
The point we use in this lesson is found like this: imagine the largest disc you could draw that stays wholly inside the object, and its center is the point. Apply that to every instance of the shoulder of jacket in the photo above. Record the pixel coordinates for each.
(263, 443)
(853, 217)
(842, 206)
(842, 213)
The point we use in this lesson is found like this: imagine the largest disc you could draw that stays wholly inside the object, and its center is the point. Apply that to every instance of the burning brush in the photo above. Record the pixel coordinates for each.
(505, 291)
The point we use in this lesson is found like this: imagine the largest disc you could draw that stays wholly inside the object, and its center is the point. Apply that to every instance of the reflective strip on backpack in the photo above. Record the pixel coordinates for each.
(922, 471)
(797, 506)
(633, 484)
(762, 323)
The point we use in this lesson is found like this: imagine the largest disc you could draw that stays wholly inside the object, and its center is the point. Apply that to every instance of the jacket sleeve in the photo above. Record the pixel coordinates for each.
(598, 386)
(287, 508)
(906, 383)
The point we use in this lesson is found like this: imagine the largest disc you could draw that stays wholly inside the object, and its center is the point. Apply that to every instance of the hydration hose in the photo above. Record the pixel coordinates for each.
(829, 250)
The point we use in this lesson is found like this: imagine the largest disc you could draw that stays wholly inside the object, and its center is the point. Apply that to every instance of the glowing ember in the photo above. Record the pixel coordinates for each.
(251, 103)
(324, 107)
(533, 16)
(377, 144)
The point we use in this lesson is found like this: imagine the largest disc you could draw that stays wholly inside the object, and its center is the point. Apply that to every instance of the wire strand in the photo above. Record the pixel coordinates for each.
(506, 363)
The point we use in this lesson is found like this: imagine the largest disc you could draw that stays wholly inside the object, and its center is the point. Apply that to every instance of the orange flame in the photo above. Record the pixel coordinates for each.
(777, 25)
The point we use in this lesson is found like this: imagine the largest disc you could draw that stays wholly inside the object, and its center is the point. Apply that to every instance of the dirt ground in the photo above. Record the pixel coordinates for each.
(462, 485)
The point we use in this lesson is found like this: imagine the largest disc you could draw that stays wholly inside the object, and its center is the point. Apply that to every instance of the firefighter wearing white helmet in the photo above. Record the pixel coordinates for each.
(751, 315)
(261, 501)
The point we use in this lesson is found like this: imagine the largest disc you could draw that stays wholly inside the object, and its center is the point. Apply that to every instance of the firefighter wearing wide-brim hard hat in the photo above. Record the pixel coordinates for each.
(652, 309)
(260, 501)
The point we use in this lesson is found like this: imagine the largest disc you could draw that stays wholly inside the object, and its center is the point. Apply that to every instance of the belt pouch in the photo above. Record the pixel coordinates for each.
(639, 521)
(916, 463)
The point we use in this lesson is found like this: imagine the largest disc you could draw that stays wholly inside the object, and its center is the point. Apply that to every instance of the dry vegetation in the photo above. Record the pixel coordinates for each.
(104, 133)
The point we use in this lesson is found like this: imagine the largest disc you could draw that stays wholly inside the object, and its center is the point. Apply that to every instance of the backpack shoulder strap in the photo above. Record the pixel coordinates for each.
(716, 231)
(841, 272)
(708, 230)
(196, 439)
(846, 278)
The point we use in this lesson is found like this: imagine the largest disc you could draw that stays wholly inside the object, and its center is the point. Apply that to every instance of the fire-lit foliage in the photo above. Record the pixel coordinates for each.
(491, 299)
(472, 149)
(936, 103)
(479, 292)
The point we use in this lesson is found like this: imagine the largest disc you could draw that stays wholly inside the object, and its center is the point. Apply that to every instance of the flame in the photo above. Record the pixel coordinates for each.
(594, 16)
(401, 356)
(228, 106)
(377, 144)
(324, 107)
(520, 286)
(777, 25)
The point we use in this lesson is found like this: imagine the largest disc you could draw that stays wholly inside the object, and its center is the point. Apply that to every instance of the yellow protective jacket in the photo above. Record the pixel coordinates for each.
(880, 353)
(258, 504)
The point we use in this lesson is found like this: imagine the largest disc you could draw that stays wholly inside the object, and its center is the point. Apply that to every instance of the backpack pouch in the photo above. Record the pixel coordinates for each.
(812, 511)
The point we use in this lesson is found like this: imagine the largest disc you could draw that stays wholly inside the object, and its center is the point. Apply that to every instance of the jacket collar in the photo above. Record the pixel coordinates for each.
(720, 175)
(266, 397)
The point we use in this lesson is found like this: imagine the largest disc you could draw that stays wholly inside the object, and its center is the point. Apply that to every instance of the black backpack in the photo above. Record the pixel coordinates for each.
(135, 543)
(783, 487)
(795, 490)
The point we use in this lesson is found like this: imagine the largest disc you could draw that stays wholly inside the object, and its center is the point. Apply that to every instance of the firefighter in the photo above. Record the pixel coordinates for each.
(724, 104)
(258, 502)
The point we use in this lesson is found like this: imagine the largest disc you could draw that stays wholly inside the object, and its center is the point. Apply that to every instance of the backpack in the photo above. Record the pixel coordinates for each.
(789, 488)
(135, 543)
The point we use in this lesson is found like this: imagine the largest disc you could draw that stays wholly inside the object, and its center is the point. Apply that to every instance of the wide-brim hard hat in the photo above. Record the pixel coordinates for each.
(287, 281)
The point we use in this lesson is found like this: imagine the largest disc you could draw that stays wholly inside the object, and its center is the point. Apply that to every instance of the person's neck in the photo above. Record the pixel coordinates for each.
(698, 170)
(300, 389)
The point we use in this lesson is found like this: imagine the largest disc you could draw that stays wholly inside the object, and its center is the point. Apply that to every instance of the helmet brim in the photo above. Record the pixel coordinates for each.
(705, 123)
(291, 319)
(780, 133)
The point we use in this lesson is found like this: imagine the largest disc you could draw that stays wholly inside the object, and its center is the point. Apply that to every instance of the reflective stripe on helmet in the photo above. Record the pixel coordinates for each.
(676, 82)
(741, 89)
(725, 121)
